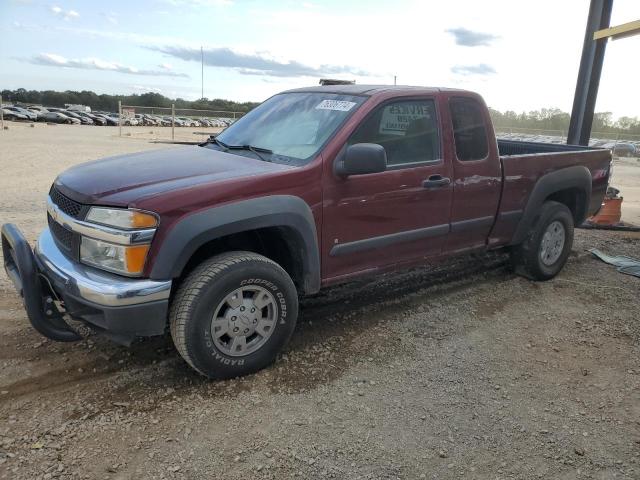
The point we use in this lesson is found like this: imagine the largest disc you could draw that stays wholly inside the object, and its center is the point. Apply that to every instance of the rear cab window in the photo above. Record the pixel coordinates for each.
(469, 129)
(407, 129)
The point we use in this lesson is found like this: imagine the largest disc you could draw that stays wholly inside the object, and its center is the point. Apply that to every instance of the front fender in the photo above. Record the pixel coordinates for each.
(195, 230)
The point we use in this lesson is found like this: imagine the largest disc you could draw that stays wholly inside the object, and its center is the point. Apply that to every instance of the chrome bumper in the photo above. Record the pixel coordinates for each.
(94, 286)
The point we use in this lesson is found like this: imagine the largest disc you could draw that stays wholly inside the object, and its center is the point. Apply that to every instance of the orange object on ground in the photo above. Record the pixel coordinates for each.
(610, 213)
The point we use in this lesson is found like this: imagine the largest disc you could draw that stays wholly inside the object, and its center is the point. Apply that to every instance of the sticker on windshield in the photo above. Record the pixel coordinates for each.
(339, 105)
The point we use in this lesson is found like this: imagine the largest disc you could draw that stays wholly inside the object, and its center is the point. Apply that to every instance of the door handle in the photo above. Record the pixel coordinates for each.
(435, 181)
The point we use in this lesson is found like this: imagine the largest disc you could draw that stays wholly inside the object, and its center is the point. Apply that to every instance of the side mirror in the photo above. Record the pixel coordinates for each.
(362, 158)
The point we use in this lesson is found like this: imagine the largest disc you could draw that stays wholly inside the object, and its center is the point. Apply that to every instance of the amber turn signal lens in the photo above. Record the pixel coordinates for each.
(135, 257)
(142, 220)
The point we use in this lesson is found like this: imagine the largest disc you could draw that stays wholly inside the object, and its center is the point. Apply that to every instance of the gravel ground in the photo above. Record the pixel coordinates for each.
(461, 370)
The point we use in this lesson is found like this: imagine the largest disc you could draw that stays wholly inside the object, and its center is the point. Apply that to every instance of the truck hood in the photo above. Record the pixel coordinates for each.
(126, 179)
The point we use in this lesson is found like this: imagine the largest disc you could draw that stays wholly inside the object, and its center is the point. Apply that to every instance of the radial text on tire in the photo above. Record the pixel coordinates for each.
(232, 314)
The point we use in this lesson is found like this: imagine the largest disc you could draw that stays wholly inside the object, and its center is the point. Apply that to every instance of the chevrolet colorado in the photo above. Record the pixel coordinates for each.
(314, 187)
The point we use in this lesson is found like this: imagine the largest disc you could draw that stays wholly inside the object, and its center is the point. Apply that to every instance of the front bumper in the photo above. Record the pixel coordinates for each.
(124, 308)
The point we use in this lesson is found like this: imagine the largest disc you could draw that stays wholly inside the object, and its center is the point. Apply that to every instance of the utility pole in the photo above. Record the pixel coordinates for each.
(394, 79)
(202, 64)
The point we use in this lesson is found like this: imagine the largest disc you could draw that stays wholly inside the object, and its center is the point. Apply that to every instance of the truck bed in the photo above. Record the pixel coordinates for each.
(508, 148)
(523, 163)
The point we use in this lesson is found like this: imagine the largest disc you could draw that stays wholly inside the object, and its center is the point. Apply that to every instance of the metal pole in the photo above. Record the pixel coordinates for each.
(173, 121)
(202, 65)
(1, 115)
(394, 79)
(584, 101)
(120, 118)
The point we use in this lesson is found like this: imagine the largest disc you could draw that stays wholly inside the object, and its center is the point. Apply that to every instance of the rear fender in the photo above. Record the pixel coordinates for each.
(577, 177)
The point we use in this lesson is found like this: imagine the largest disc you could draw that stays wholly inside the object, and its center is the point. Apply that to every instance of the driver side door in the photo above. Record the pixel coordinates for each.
(393, 217)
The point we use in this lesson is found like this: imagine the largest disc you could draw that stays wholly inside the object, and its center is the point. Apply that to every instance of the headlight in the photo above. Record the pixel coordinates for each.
(121, 218)
(123, 259)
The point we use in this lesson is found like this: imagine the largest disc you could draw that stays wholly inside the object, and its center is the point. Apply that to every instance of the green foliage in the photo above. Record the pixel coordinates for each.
(110, 102)
(555, 119)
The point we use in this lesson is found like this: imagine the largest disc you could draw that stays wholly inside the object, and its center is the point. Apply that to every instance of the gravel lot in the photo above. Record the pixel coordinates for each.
(461, 370)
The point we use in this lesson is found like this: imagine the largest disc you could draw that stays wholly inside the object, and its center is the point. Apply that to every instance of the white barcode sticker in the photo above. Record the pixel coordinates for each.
(339, 105)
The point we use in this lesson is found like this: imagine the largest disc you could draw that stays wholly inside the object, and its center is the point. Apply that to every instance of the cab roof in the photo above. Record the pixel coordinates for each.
(369, 90)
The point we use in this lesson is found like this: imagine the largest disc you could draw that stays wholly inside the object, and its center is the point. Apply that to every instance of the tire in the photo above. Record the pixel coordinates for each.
(226, 287)
(546, 249)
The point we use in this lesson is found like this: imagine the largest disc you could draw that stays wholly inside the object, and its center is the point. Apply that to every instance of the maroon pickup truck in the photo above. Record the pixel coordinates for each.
(313, 187)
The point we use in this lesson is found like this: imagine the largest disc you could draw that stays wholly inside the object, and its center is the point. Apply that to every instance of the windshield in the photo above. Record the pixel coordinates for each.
(292, 126)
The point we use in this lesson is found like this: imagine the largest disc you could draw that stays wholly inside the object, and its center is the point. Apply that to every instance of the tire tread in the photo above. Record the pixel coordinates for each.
(190, 289)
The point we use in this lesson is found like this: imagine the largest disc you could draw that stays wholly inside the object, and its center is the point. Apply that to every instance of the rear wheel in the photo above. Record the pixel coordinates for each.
(546, 249)
(233, 314)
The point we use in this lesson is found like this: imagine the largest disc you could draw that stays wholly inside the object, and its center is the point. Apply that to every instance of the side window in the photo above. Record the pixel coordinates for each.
(407, 129)
(469, 130)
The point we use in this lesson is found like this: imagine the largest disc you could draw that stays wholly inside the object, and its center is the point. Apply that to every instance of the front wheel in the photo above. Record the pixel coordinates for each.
(233, 314)
(546, 249)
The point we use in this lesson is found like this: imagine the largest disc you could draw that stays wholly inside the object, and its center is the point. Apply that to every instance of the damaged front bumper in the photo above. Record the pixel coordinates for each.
(52, 286)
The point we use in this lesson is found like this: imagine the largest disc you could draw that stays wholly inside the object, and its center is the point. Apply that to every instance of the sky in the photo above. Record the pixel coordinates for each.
(520, 55)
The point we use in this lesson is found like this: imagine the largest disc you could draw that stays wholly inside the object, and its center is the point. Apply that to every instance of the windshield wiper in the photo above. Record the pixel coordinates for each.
(251, 148)
(213, 139)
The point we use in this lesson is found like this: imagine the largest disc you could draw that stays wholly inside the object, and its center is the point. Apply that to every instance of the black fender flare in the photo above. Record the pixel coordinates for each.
(577, 177)
(193, 231)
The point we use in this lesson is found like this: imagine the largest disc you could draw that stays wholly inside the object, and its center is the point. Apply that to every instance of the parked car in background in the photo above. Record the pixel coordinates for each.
(129, 121)
(37, 108)
(162, 121)
(57, 117)
(30, 115)
(177, 122)
(83, 120)
(77, 108)
(146, 120)
(112, 121)
(96, 120)
(188, 122)
(624, 150)
(14, 116)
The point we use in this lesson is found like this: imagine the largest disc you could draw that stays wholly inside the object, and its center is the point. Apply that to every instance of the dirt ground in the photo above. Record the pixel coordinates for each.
(461, 370)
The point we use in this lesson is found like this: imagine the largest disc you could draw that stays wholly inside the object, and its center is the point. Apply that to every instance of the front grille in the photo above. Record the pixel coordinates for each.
(62, 235)
(64, 203)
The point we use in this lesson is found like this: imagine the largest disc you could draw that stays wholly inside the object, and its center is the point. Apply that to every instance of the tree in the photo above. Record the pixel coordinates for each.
(110, 102)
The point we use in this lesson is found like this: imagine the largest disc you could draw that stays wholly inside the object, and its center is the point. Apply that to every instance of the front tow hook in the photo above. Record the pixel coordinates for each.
(20, 265)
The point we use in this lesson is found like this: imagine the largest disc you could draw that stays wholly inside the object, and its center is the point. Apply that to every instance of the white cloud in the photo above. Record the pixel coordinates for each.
(54, 60)
(256, 64)
(479, 69)
(200, 3)
(143, 88)
(61, 13)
